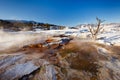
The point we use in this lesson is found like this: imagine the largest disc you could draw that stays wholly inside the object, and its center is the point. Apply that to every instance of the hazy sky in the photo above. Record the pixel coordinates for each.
(62, 12)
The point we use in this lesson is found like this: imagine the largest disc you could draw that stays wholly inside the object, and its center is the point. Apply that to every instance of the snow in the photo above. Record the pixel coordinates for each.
(111, 35)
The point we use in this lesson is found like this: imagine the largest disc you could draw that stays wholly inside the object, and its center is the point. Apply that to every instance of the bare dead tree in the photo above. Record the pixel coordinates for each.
(95, 30)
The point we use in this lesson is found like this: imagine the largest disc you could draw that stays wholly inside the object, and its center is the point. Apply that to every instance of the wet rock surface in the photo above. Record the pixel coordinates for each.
(14, 67)
(74, 61)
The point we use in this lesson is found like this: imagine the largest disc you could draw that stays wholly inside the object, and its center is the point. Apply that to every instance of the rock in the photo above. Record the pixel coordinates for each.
(84, 61)
(14, 67)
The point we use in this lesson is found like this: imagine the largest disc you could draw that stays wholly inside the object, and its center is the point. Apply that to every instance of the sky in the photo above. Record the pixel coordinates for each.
(61, 12)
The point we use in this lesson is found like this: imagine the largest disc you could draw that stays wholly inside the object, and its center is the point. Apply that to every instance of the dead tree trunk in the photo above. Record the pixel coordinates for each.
(95, 30)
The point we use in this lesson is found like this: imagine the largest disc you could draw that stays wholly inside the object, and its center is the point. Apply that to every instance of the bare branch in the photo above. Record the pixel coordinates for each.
(100, 28)
(90, 30)
(94, 32)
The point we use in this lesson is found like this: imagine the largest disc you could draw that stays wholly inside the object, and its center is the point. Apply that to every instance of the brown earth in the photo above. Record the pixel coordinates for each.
(74, 61)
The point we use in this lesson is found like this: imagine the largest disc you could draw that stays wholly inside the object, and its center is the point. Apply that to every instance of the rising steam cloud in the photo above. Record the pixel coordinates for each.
(18, 39)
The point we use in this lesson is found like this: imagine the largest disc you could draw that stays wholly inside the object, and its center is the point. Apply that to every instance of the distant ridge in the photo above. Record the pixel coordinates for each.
(19, 25)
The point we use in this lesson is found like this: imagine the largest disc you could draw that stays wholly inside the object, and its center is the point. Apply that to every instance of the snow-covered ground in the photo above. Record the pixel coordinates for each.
(111, 36)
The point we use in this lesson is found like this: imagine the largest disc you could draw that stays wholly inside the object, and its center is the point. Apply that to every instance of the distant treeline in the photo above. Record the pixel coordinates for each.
(23, 25)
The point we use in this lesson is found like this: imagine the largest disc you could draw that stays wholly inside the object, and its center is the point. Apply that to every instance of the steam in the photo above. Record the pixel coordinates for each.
(10, 40)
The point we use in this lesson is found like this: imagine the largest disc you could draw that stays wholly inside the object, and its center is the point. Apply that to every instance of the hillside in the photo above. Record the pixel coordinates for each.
(23, 25)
